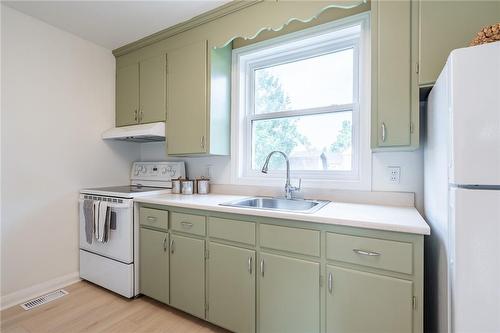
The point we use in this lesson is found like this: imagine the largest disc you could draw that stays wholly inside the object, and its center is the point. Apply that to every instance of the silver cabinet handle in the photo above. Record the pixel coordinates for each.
(202, 142)
(152, 218)
(187, 225)
(140, 115)
(135, 115)
(172, 246)
(330, 282)
(262, 266)
(165, 244)
(383, 132)
(366, 253)
(250, 265)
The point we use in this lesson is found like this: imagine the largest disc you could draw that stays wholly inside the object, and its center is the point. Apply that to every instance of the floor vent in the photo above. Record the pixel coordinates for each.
(44, 299)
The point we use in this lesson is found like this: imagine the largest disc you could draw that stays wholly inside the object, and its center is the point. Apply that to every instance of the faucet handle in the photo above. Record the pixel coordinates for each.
(295, 189)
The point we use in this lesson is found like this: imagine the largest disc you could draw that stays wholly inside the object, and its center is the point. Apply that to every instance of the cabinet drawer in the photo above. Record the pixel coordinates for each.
(153, 218)
(378, 253)
(192, 224)
(296, 240)
(237, 231)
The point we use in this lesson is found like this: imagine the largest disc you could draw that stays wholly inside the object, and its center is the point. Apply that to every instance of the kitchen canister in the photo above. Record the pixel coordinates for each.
(187, 186)
(203, 185)
(176, 185)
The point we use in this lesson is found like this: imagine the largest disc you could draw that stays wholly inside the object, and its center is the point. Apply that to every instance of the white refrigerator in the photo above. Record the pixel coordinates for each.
(462, 193)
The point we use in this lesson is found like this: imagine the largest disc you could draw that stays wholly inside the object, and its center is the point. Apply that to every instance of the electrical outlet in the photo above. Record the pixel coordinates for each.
(394, 174)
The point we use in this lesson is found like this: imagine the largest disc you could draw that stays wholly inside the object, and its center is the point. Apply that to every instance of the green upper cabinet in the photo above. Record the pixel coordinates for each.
(198, 100)
(411, 40)
(364, 302)
(187, 274)
(394, 89)
(141, 92)
(127, 95)
(448, 25)
(153, 264)
(187, 99)
(152, 90)
(231, 287)
(288, 295)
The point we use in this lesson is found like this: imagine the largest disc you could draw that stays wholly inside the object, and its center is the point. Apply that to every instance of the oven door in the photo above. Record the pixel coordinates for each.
(120, 242)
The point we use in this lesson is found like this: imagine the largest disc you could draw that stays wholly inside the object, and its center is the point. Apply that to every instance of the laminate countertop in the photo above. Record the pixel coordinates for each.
(378, 217)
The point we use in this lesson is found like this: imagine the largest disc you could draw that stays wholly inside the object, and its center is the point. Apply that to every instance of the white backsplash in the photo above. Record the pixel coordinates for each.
(411, 164)
(195, 166)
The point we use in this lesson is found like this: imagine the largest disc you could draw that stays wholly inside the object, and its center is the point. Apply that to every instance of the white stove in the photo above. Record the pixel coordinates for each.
(112, 264)
(146, 178)
(126, 191)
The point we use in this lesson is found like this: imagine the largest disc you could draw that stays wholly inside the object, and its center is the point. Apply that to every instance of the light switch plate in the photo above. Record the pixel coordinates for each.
(208, 171)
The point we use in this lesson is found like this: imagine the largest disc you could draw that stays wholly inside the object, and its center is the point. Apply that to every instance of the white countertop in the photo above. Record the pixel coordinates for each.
(391, 218)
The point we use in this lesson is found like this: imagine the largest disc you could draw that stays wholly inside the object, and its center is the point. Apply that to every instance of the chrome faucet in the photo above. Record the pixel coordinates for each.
(289, 189)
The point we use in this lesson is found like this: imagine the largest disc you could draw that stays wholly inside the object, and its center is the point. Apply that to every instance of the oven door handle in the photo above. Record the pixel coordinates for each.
(114, 205)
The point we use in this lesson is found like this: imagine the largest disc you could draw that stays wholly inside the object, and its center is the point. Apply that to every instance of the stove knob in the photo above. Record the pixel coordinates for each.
(136, 172)
(143, 169)
(164, 170)
(172, 173)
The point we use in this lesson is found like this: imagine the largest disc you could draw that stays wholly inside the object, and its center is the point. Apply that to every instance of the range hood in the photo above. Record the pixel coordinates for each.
(137, 133)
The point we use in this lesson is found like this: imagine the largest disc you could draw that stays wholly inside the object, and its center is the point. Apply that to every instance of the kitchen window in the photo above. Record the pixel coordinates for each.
(306, 94)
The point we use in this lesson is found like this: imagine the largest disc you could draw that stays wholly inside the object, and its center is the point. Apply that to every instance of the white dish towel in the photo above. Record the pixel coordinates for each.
(102, 216)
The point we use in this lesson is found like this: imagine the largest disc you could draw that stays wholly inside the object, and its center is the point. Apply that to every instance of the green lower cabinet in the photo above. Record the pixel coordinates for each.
(153, 264)
(231, 287)
(241, 275)
(187, 274)
(289, 295)
(364, 302)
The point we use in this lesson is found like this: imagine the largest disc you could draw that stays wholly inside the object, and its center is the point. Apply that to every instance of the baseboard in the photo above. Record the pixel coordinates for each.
(23, 295)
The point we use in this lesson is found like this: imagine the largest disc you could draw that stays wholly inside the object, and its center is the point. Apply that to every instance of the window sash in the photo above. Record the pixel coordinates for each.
(263, 53)
(302, 112)
(352, 174)
(294, 56)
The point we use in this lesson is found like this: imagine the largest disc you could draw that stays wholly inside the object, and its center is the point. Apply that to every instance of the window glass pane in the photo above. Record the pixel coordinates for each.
(314, 82)
(312, 142)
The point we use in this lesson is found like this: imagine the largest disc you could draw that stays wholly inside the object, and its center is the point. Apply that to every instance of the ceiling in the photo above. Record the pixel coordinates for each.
(112, 24)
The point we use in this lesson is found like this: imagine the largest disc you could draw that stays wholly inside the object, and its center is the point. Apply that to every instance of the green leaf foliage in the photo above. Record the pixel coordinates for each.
(273, 134)
(344, 138)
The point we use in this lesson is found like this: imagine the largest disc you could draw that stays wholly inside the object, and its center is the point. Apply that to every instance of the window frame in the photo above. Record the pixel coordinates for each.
(311, 42)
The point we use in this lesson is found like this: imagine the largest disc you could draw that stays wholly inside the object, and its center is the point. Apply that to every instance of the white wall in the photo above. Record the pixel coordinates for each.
(411, 164)
(57, 99)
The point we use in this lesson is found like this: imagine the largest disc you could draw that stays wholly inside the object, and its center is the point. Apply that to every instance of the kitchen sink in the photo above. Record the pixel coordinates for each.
(281, 204)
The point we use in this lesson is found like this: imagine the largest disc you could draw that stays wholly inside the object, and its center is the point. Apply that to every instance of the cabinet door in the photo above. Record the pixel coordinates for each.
(364, 302)
(231, 288)
(187, 99)
(127, 95)
(153, 264)
(391, 81)
(448, 25)
(187, 274)
(288, 295)
(152, 89)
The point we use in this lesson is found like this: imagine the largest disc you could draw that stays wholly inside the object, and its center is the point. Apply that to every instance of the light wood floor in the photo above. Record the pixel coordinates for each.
(89, 308)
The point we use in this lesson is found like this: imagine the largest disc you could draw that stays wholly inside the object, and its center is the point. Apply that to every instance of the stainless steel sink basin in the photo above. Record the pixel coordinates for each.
(288, 205)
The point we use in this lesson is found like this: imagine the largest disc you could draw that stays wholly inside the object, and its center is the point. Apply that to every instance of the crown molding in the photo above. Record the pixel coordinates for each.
(184, 26)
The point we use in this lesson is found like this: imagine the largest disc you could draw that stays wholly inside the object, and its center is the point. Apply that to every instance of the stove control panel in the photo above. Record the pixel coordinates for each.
(157, 171)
